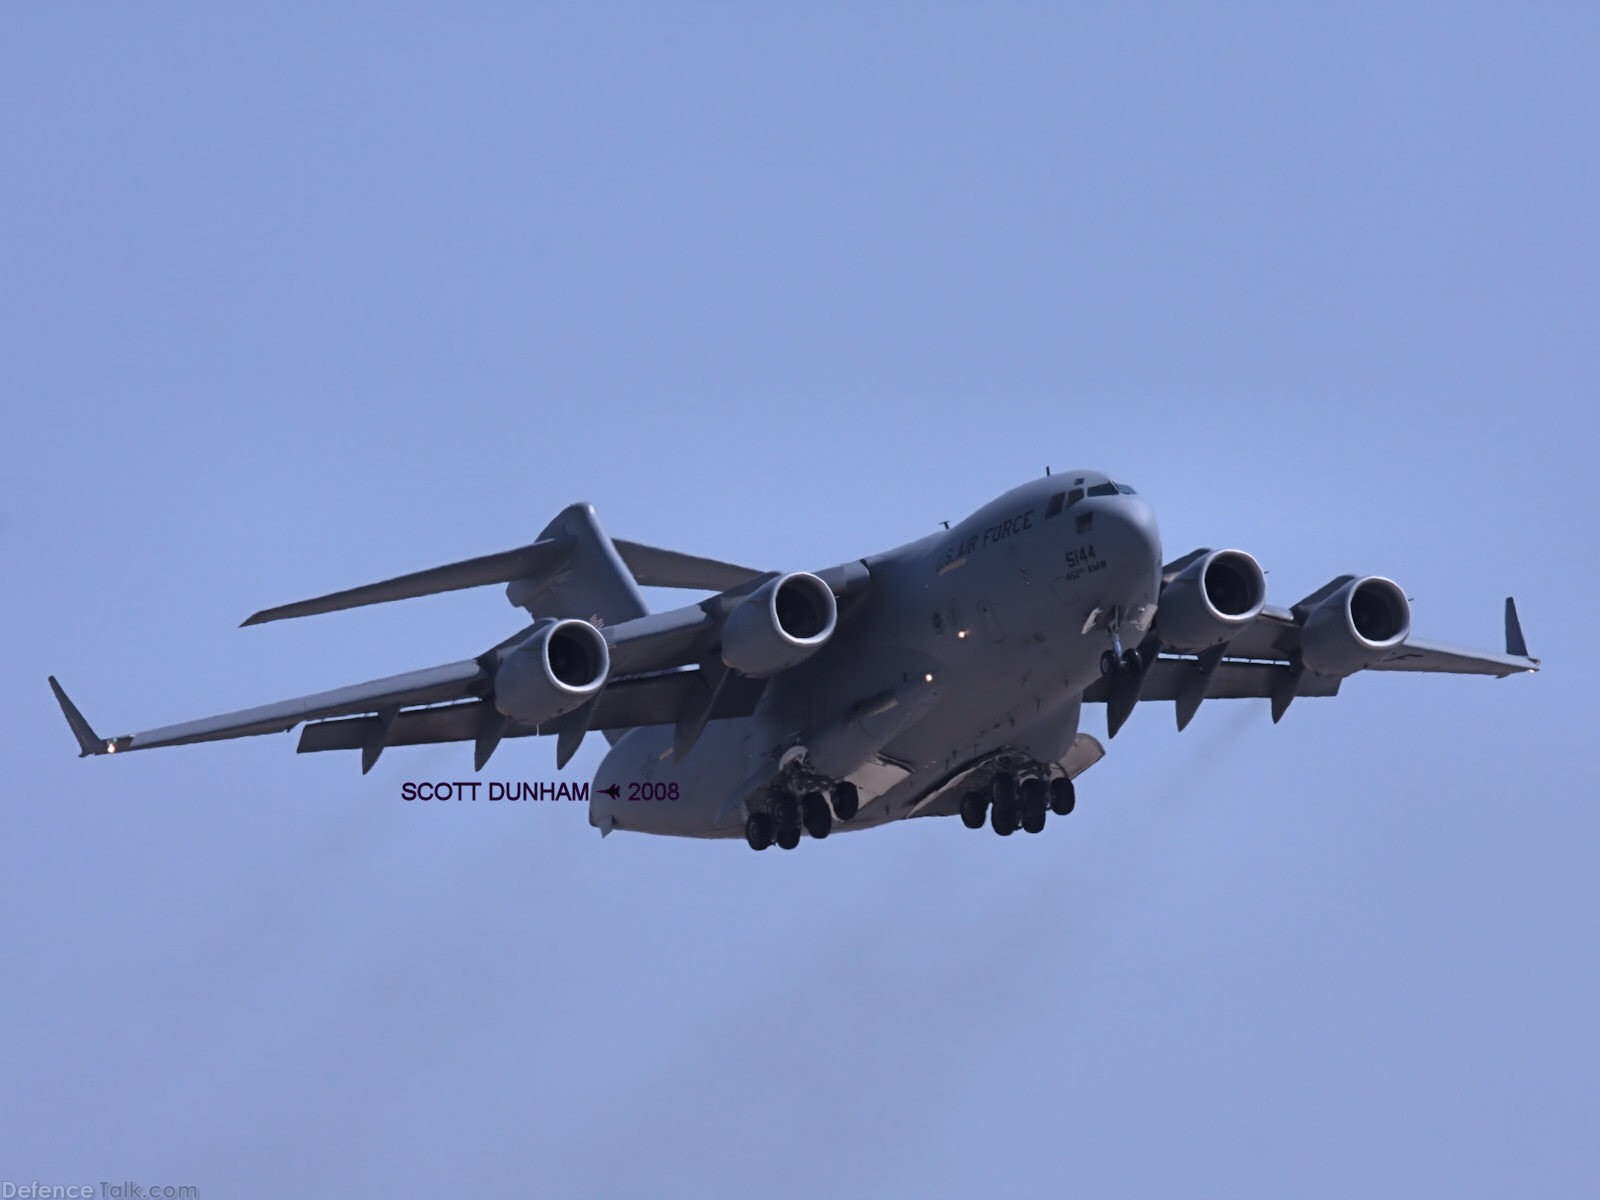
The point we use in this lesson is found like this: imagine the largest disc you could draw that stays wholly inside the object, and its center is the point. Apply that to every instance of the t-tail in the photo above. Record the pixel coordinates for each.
(574, 570)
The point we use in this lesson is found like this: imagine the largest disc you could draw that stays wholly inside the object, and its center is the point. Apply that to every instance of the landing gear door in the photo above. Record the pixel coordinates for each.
(875, 777)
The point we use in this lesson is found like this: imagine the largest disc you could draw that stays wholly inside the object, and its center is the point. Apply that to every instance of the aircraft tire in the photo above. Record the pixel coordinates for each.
(1063, 796)
(788, 839)
(1003, 817)
(816, 815)
(1110, 664)
(846, 800)
(1132, 664)
(1033, 821)
(1003, 789)
(786, 811)
(974, 810)
(758, 830)
(1033, 795)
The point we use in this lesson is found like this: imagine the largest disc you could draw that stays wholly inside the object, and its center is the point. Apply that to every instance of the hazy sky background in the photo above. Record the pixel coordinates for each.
(298, 299)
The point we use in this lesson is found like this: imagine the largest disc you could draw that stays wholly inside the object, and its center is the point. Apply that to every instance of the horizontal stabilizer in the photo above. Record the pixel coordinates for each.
(545, 557)
(654, 567)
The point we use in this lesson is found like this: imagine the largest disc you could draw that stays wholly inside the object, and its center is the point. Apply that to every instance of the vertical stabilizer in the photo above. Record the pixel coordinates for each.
(594, 582)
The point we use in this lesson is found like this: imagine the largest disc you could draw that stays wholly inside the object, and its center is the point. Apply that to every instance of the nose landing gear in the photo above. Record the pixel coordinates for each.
(1123, 670)
(1128, 664)
(1117, 663)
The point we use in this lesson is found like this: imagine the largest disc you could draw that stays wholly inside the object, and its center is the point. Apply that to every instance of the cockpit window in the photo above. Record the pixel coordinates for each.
(1126, 490)
(1103, 489)
(1065, 500)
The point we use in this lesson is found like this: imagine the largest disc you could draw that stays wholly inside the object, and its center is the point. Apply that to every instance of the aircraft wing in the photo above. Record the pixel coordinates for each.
(429, 686)
(1263, 661)
(664, 671)
(1275, 636)
(440, 704)
(648, 700)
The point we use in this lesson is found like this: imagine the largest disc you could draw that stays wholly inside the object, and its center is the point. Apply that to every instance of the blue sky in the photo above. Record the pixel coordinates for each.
(296, 299)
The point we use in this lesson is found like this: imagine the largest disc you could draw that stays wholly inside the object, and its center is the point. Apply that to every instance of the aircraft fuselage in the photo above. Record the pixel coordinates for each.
(976, 638)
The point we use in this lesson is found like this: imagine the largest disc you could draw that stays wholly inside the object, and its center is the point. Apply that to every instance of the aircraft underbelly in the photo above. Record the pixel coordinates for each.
(654, 794)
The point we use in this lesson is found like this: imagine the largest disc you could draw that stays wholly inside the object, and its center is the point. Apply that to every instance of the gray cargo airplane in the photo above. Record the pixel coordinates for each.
(943, 677)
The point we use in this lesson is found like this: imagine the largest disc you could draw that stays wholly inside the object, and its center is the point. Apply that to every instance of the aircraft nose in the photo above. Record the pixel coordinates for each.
(1140, 521)
(1125, 534)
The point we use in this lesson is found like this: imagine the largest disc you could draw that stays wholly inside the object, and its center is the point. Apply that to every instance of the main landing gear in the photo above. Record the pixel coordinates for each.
(812, 811)
(1011, 803)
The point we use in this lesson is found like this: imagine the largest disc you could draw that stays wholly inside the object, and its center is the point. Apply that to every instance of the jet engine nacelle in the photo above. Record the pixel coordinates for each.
(783, 622)
(1355, 626)
(1211, 600)
(558, 667)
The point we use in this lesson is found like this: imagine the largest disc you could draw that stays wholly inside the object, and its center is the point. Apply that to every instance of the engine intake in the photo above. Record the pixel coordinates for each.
(1355, 627)
(780, 624)
(558, 667)
(1211, 600)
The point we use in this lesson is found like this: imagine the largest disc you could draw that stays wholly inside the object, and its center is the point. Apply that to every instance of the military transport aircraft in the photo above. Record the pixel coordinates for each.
(943, 677)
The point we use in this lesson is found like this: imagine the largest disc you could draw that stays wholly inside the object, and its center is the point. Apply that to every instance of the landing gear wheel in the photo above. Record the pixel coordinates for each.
(1110, 664)
(817, 816)
(846, 801)
(1132, 664)
(1003, 790)
(1062, 796)
(788, 839)
(1003, 817)
(974, 810)
(1033, 795)
(786, 810)
(1031, 800)
(758, 830)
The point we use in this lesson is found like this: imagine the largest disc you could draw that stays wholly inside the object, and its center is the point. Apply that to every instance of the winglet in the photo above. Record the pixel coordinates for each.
(88, 743)
(1515, 644)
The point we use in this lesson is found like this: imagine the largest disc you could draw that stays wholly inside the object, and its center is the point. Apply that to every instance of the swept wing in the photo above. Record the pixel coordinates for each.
(1264, 660)
(664, 670)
